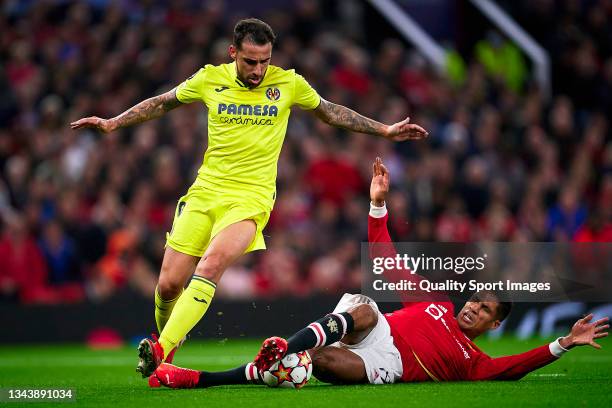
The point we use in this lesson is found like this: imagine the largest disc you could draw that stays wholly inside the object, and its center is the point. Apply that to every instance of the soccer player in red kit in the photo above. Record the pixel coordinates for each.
(422, 341)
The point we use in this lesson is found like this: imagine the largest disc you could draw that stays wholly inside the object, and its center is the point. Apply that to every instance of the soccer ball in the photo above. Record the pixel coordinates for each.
(293, 371)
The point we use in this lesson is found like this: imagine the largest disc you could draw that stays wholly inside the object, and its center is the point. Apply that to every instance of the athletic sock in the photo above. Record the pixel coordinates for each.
(246, 374)
(188, 311)
(163, 309)
(323, 332)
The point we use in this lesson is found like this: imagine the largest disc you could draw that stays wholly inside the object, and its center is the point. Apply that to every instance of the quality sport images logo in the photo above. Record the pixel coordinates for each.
(273, 94)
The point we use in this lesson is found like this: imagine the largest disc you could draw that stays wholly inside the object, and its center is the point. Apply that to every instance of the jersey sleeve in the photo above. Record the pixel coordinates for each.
(192, 89)
(305, 95)
(512, 367)
(381, 246)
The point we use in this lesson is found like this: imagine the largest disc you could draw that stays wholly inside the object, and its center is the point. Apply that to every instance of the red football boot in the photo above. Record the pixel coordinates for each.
(272, 350)
(171, 354)
(150, 354)
(177, 377)
(154, 381)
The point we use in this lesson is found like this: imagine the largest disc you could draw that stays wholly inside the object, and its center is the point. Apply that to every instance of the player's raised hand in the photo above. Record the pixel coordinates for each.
(94, 122)
(585, 333)
(380, 183)
(405, 130)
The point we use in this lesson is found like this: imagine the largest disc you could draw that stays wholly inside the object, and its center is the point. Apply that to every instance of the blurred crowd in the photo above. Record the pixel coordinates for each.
(84, 215)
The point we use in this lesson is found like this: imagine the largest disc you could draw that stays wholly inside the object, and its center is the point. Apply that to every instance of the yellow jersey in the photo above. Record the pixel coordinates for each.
(246, 127)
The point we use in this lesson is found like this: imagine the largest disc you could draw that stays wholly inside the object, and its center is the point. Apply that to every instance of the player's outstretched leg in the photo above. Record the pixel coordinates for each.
(224, 249)
(350, 327)
(177, 377)
(227, 246)
(189, 309)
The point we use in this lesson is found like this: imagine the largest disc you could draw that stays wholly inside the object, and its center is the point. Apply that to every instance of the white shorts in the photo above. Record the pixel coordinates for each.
(382, 359)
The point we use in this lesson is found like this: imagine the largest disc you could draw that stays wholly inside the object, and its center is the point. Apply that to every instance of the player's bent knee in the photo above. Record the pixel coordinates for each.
(212, 266)
(169, 287)
(364, 316)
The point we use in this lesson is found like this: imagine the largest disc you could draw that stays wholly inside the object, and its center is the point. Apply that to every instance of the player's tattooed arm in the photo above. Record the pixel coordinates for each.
(343, 117)
(146, 110)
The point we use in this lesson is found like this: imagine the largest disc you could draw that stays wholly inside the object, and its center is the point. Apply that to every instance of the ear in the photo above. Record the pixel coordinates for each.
(495, 324)
(232, 51)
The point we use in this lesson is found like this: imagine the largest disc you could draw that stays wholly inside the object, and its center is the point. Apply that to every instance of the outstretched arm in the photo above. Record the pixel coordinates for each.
(379, 187)
(517, 366)
(343, 117)
(381, 245)
(146, 110)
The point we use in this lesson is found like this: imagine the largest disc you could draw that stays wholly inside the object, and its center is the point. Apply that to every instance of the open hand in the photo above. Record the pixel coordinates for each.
(94, 122)
(584, 332)
(405, 130)
(380, 183)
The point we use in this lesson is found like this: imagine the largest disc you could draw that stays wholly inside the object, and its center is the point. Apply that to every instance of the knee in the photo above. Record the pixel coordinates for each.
(168, 286)
(212, 266)
(364, 316)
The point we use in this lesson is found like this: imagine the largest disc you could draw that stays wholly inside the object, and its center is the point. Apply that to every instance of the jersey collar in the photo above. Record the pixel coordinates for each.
(238, 82)
(235, 76)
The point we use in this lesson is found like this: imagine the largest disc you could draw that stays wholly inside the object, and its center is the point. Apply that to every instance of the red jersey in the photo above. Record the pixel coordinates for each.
(433, 347)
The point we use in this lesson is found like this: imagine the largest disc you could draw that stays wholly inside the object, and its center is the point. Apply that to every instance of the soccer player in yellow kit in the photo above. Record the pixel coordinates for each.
(224, 212)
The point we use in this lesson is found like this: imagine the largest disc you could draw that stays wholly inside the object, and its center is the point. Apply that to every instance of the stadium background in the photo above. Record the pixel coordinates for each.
(84, 215)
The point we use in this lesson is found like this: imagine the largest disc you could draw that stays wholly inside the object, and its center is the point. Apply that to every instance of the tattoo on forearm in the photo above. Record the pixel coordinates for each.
(148, 109)
(341, 116)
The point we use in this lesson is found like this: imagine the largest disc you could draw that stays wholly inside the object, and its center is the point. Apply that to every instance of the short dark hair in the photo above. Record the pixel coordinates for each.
(503, 308)
(254, 31)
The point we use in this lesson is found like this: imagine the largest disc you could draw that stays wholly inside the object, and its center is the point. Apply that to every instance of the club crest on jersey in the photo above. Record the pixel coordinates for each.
(273, 94)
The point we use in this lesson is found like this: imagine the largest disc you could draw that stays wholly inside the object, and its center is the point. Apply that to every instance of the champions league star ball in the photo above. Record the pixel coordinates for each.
(293, 371)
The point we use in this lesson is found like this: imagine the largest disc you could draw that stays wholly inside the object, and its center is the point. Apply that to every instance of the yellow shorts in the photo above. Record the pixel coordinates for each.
(201, 214)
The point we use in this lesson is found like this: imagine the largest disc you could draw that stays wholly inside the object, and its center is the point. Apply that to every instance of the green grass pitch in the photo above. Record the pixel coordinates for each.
(582, 378)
